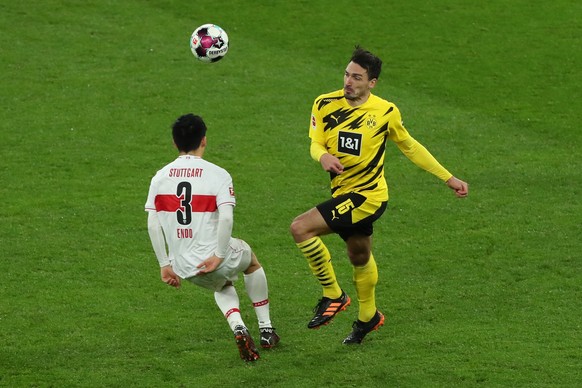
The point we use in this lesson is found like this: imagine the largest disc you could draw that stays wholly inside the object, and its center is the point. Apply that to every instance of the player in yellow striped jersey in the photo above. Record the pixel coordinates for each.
(349, 130)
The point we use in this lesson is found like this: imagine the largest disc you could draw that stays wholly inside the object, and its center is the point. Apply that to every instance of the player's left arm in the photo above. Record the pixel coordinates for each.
(461, 188)
(420, 156)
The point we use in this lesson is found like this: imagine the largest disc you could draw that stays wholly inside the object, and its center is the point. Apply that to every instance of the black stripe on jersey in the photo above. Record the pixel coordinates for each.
(336, 118)
(373, 165)
(324, 101)
(346, 169)
(383, 128)
(357, 123)
(374, 162)
(363, 185)
(370, 188)
(346, 172)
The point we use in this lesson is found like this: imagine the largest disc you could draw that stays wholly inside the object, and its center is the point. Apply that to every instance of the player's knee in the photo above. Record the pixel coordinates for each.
(307, 225)
(359, 256)
(297, 229)
(359, 249)
(254, 265)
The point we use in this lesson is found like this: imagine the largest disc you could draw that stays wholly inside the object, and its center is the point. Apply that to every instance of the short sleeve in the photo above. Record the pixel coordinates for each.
(225, 195)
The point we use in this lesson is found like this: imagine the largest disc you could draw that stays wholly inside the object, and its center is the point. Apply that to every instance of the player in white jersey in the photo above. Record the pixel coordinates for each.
(190, 210)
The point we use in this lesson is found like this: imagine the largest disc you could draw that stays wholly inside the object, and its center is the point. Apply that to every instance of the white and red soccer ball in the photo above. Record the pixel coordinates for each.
(209, 43)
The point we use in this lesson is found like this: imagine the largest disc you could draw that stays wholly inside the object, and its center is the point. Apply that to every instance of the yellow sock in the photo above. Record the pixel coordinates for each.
(319, 260)
(365, 279)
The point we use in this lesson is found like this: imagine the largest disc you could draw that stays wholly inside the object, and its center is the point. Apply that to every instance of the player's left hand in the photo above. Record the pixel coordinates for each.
(208, 265)
(461, 188)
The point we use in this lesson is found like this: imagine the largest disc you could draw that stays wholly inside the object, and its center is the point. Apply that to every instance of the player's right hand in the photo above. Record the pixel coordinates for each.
(169, 276)
(331, 164)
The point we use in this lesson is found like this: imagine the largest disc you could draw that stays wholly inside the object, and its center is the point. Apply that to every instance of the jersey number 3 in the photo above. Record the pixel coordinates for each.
(184, 193)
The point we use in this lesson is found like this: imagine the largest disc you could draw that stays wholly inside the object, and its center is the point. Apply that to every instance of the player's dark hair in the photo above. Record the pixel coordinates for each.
(368, 61)
(188, 132)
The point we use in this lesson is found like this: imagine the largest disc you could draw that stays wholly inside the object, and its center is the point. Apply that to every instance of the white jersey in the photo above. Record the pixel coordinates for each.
(186, 195)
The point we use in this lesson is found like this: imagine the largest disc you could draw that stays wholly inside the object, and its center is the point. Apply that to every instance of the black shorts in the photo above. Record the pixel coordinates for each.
(351, 214)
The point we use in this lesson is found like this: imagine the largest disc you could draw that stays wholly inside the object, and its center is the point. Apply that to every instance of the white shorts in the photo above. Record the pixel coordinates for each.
(237, 259)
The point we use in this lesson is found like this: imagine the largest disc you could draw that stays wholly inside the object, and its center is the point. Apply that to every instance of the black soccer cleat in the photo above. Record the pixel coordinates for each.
(326, 309)
(360, 329)
(269, 337)
(246, 346)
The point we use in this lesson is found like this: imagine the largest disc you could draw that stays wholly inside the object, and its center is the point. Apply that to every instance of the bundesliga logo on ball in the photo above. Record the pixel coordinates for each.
(209, 43)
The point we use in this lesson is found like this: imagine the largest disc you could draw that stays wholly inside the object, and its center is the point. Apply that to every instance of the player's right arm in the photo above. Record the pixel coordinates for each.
(328, 162)
(318, 149)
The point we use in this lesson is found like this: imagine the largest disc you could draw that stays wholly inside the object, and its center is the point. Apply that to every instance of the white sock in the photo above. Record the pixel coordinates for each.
(258, 291)
(228, 302)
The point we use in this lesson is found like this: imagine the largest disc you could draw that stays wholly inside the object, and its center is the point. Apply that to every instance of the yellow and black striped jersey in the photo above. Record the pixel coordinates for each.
(357, 137)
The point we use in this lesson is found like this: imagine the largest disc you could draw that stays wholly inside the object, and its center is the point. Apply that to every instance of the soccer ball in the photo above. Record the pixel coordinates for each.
(209, 43)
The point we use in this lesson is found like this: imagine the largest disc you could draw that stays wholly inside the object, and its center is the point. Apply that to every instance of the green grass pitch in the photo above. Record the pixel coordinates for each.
(485, 291)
